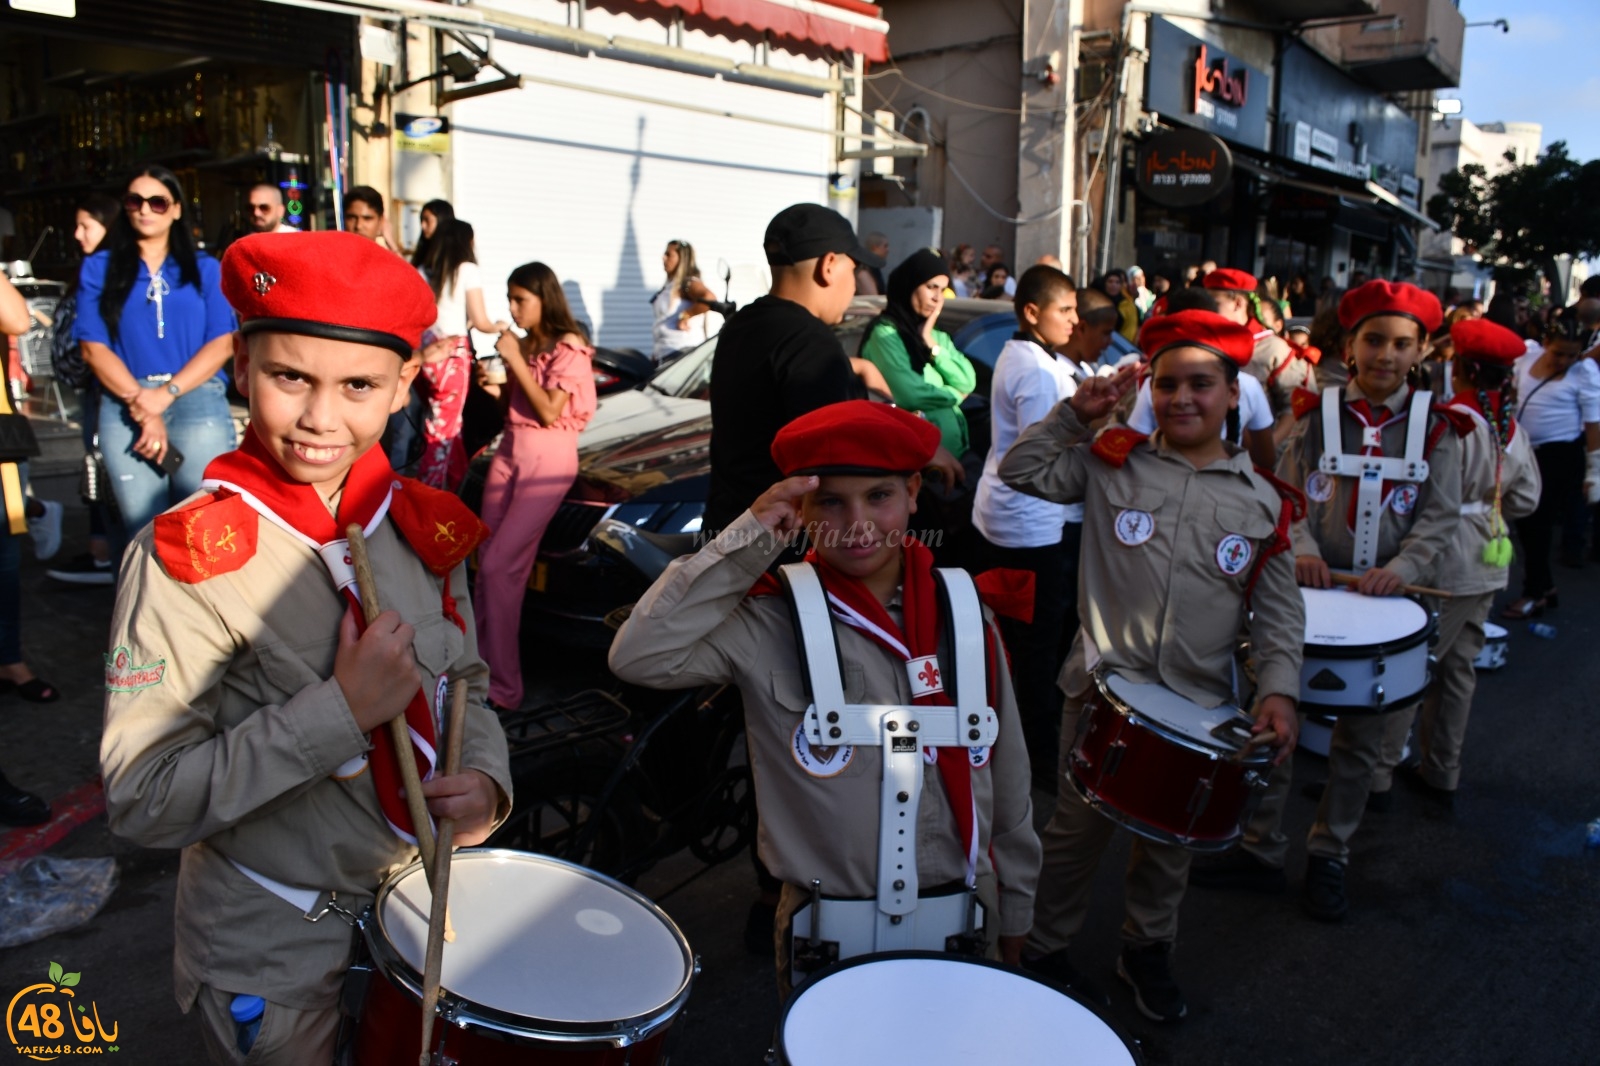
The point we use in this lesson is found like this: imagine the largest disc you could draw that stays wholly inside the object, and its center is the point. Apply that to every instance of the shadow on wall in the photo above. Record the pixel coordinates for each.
(625, 307)
(580, 311)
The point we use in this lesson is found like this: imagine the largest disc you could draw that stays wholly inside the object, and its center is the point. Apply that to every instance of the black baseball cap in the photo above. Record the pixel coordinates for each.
(807, 231)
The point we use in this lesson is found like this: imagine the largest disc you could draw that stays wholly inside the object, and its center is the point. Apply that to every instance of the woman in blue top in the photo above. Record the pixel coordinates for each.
(156, 331)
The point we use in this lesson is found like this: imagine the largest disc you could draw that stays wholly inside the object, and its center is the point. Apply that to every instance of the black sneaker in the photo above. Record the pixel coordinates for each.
(1155, 993)
(1056, 969)
(1441, 800)
(84, 570)
(1237, 870)
(1324, 897)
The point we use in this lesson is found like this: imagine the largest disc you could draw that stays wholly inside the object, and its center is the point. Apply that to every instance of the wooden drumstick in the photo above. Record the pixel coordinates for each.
(1352, 580)
(439, 919)
(398, 731)
(1264, 739)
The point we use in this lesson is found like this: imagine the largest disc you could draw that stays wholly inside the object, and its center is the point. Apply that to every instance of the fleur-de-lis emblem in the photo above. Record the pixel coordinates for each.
(226, 540)
(446, 532)
(263, 282)
(929, 675)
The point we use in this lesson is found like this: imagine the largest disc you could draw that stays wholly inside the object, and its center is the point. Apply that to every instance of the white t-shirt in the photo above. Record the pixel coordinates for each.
(1255, 413)
(1028, 382)
(452, 320)
(1555, 409)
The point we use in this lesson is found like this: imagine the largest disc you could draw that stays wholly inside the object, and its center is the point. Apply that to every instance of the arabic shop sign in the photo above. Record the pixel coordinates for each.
(1194, 82)
(1182, 168)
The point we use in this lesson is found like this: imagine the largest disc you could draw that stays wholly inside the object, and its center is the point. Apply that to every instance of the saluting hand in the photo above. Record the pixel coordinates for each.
(778, 509)
(1097, 397)
(376, 670)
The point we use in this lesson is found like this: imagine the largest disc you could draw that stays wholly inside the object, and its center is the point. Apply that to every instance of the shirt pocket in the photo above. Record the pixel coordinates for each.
(1135, 512)
(789, 687)
(822, 762)
(1241, 533)
(285, 669)
(438, 645)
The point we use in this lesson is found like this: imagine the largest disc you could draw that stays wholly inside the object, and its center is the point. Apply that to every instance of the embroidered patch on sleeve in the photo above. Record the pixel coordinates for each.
(124, 675)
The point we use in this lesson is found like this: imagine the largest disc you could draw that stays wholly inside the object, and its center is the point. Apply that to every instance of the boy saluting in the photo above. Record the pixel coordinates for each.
(245, 704)
(851, 483)
(1181, 537)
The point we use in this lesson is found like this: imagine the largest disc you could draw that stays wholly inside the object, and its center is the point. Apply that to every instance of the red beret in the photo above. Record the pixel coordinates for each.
(1391, 298)
(1200, 329)
(1230, 280)
(1486, 342)
(328, 284)
(855, 437)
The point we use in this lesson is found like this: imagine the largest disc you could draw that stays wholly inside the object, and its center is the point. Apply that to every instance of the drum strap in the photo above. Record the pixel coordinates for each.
(1375, 472)
(902, 731)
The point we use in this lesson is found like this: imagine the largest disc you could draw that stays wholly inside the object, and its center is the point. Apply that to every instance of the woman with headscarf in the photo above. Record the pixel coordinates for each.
(925, 371)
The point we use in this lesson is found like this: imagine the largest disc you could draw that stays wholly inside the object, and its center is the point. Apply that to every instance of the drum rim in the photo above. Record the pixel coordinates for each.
(943, 956)
(1119, 706)
(458, 1010)
(1368, 651)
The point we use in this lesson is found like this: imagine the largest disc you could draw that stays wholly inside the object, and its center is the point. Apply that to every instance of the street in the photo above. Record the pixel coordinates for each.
(1472, 938)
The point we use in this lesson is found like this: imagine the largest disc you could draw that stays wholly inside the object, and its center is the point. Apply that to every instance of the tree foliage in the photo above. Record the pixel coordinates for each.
(1522, 218)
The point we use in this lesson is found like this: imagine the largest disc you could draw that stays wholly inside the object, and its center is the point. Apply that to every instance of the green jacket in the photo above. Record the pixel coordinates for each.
(936, 392)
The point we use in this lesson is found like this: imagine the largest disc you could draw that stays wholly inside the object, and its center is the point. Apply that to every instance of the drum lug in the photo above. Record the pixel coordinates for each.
(1377, 697)
(1378, 665)
(1114, 753)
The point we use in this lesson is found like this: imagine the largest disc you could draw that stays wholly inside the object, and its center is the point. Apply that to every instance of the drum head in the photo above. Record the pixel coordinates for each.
(541, 939)
(1493, 632)
(1343, 618)
(1172, 712)
(916, 1009)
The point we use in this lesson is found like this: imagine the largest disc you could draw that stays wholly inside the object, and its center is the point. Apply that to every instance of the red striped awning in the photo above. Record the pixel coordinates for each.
(843, 25)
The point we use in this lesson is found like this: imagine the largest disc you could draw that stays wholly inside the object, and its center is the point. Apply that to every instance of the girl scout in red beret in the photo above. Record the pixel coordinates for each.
(244, 699)
(824, 739)
(1499, 484)
(1180, 533)
(1391, 533)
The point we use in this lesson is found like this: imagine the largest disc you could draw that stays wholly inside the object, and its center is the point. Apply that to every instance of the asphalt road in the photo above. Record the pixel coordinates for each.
(1473, 938)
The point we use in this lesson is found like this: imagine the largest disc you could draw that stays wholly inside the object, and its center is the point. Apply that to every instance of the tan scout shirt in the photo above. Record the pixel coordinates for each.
(1161, 580)
(228, 752)
(1412, 544)
(1462, 570)
(1272, 353)
(695, 626)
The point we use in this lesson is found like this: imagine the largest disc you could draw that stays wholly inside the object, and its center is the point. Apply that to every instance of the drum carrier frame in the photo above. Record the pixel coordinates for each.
(1371, 471)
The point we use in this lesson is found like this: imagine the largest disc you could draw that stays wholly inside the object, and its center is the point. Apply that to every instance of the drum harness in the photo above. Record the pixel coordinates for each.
(897, 919)
(1372, 468)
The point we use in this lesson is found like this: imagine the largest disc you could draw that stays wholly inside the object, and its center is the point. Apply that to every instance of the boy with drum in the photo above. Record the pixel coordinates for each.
(1391, 531)
(1499, 483)
(246, 704)
(1181, 537)
(889, 639)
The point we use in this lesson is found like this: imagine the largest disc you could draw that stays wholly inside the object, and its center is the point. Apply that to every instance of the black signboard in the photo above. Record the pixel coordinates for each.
(1330, 121)
(1194, 82)
(1182, 168)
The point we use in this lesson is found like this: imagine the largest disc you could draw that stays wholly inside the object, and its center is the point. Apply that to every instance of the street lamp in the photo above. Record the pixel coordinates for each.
(1505, 27)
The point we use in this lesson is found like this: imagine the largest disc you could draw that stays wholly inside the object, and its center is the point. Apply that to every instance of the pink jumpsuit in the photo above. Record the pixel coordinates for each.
(444, 458)
(530, 475)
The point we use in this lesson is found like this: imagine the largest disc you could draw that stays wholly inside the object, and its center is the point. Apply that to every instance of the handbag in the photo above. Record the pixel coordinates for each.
(17, 442)
(93, 481)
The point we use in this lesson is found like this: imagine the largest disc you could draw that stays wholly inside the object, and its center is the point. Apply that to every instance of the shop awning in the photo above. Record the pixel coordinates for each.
(843, 25)
(1368, 193)
(1384, 196)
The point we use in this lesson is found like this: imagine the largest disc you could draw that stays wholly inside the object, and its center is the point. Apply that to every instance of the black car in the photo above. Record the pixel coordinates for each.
(644, 462)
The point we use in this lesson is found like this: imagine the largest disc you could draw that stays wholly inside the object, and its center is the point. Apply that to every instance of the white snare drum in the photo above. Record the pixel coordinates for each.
(923, 1009)
(1495, 645)
(552, 963)
(1316, 734)
(1364, 654)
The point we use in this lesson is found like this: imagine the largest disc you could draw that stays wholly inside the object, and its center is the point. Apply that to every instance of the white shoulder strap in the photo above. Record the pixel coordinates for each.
(965, 615)
(1417, 429)
(1332, 437)
(818, 648)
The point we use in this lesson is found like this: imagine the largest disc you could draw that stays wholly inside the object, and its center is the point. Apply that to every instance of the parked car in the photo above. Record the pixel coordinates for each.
(644, 460)
(620, 369)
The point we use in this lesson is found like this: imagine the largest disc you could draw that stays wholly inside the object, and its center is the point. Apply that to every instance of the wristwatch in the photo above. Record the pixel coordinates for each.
(172, 387)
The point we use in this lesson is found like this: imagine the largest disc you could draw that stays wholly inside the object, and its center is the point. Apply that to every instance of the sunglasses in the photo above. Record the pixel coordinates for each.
(159, 204)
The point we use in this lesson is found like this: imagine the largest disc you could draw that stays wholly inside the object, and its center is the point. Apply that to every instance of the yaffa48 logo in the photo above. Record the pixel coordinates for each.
(45, 1021)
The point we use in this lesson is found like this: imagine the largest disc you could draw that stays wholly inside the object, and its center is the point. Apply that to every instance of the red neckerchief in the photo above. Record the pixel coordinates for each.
(255, 470)
(1497, 401)
(1364, 414)
(919, 637)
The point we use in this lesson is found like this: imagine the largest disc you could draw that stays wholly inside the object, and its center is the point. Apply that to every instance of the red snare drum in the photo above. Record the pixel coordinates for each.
(552, 965)
(1166, 767)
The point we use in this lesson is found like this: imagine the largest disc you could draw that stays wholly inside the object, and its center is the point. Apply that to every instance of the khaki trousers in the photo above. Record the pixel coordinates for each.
(1443, 727)
(1074, 842)
(1264, 837)
(288, 1037)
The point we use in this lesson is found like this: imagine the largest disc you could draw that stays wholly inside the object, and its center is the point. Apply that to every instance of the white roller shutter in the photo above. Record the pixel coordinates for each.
(595, 186)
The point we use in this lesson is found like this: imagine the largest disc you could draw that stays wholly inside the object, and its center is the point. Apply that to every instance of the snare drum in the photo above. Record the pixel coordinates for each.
(915, 1008)
(1165, 767)
(1495, 646)
(1364, 654)
(552, 965)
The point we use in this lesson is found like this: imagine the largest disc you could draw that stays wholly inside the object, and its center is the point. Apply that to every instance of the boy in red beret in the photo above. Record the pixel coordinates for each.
(1499, 484)
(1273, 362)
(923, 703)
(1391, 531)
(1182, 537)
(245, 700)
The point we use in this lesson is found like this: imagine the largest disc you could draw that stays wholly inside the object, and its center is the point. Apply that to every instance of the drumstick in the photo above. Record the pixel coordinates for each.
(401, 736)
(1264, 739)
(1353, 580)
(439, 919)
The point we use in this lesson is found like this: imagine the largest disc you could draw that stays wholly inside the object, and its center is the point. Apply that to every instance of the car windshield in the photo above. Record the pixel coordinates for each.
(688, 376)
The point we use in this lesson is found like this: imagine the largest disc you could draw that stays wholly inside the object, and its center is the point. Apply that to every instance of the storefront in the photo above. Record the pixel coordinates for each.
(225, 95)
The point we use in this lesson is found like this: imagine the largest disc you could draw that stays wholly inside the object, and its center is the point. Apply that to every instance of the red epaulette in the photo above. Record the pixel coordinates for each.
(1008, 592)
(1460, 420)
(213, 535)
(439, 527)
(1303, 401)
(1286, 492)
(1114, 444)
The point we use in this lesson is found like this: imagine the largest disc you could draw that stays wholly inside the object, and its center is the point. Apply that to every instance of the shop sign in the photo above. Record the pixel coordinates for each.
(1334, 123)
(422, 133)
(1195, 82)
(1182, 168)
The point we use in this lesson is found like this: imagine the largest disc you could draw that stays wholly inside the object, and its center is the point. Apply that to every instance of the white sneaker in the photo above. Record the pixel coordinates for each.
(46, 530)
